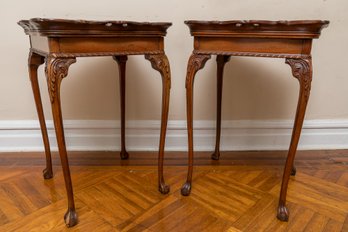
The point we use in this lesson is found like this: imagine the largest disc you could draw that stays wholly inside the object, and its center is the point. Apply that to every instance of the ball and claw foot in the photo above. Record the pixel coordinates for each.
(215, 155)
(163, 188)
(70, 218)
(293, 171)
(47, 173)
(283, 214)
(124, 155)
(186, 189)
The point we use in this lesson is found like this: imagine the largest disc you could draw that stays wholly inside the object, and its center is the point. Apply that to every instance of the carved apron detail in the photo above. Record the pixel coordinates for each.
(56, 69)
(160, 63)
(195, 63)
(253, 54)
(302, 70)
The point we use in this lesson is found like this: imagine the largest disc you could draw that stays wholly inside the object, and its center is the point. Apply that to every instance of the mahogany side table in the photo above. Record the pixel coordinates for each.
(291, 40)
(57, 43)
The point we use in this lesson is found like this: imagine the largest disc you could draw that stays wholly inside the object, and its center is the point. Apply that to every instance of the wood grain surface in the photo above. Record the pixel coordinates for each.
(239, 192)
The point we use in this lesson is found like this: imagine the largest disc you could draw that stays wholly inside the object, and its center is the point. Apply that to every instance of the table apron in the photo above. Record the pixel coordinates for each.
(97, 44)
(252, 45)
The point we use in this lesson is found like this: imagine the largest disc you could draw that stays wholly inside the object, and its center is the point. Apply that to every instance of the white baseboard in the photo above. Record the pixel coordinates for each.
(84, 135)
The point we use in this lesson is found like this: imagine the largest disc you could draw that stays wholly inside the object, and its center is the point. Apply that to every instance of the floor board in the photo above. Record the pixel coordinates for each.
(237, 193)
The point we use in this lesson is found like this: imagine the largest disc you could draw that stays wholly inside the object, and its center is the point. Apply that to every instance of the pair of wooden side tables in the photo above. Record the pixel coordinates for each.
(57, 43)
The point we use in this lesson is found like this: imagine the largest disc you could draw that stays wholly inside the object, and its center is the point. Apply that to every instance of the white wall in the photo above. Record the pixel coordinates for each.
(254, 88)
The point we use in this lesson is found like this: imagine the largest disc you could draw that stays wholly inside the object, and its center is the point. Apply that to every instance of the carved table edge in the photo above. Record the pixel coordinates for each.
(70, 55)
(254, 54)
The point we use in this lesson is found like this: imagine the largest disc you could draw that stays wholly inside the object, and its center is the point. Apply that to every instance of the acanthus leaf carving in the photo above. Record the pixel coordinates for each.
(195, 63)
(56, 69)
(302, 70)
(160, 63)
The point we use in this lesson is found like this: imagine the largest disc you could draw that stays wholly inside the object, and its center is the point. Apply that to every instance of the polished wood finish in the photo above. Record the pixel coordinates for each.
(220, 61)
(160, 63)
(56, 70)
(59, 42)
(302, 70)
(291, 40)
(300, 29)
(237, 193)
(34, 62)
(121, 60)
(195, 63)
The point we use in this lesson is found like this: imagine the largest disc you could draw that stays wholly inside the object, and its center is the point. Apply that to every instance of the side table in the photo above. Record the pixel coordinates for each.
(291, 40)
(57, 43)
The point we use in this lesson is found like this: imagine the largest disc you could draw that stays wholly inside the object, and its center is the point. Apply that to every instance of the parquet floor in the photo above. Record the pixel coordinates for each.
(238, 193)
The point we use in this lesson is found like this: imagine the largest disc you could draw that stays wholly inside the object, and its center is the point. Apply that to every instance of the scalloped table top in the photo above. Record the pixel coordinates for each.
(258, 28)
(65, 27)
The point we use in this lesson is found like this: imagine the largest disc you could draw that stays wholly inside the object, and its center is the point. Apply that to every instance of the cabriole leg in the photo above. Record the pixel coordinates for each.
(302, 70)
(160, 63)
(195, 63)
(121, 61)
(220, 61)
(56, 70)
(34, 61)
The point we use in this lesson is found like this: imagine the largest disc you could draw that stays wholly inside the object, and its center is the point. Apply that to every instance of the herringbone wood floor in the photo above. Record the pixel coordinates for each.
(238, 193)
